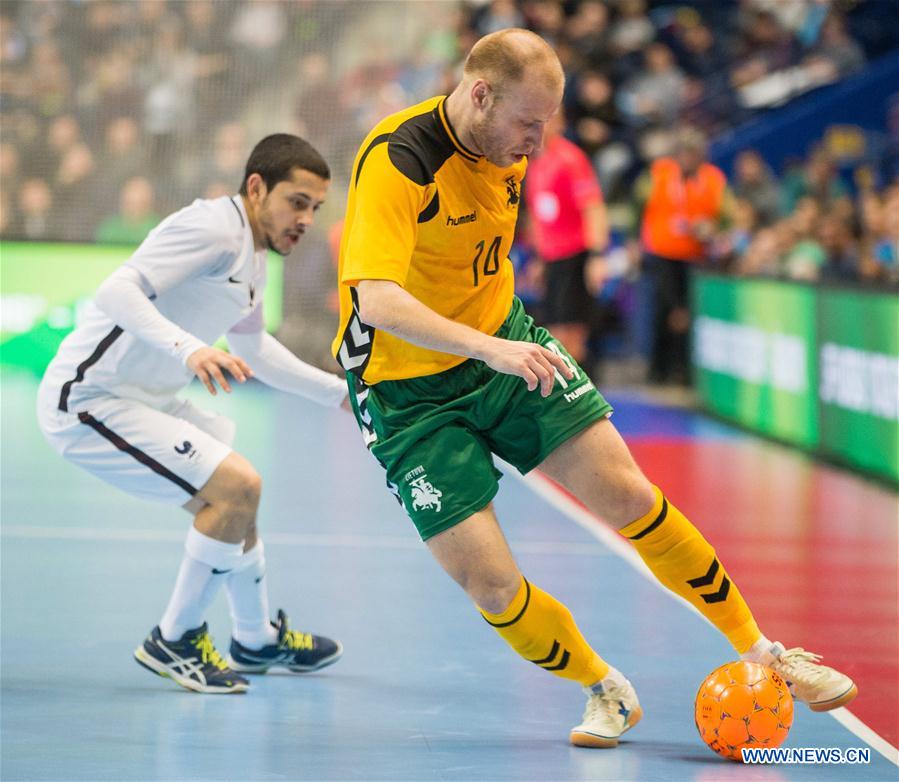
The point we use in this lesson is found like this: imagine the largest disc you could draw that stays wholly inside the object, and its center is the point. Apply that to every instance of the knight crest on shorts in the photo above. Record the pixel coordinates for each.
(424, 495)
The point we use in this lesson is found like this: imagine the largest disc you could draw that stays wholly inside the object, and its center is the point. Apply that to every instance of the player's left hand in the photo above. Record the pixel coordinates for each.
(208, 364)
(535, 364)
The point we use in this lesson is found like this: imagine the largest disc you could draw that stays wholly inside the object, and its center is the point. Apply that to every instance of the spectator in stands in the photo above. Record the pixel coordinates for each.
(591, 110)
(597, 127)
(765, 48)
(762, 257)
(700, 54)
(879, 251)
(13, 42)
(655, 94)
(632, 31)
(803, 255)
(840, 251)
(497, 15)
(50, 82)
(755, 182)
(75, 186)
(136, 216)
(63, 133)
(7, 216)
(257, 32)
(570, 232)
(10, 161)
(547, 19)
(588, 33)
(122, 157)
(36, 214)
(685, 201)
(818, 178)
(729, 248)
(224, 166)
(111, 87)
(169, 106)
(836, 49)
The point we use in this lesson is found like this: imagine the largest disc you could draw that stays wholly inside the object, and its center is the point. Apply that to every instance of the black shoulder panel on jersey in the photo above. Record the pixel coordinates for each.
(430, 211)
(374, 142)
(420, 146)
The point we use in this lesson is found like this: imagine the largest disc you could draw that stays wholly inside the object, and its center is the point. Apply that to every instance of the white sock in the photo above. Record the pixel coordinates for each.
(759, 652)
(202, 573)
(248, 598)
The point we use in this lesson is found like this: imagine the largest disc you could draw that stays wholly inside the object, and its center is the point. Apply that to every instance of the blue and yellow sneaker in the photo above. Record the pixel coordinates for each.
(295, 651)
(191, 661)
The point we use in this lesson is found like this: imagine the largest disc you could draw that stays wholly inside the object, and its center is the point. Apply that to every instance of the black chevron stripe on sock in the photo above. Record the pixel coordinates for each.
(720, 595)
(707, 579)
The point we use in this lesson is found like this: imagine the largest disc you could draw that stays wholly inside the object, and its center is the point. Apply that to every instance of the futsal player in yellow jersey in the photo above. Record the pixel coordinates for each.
(436, 346)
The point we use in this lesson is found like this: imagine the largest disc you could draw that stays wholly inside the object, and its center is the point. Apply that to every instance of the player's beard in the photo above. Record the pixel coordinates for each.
(265, 221)
(271, 246)
(489, 138)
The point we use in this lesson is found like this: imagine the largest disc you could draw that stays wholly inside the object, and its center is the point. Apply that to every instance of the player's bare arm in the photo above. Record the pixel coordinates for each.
(387, 306)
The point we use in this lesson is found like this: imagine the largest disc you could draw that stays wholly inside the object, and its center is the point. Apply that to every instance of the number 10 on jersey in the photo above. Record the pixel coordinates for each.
(491, 259)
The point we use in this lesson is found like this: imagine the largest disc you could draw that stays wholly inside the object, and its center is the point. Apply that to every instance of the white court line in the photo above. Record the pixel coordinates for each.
(306, 540)
(548, 490)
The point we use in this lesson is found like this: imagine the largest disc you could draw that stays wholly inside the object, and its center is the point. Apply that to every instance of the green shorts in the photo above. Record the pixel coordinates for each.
(436, 435)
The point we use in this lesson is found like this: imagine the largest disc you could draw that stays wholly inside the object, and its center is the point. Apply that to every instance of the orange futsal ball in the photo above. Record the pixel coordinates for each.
(743, 704)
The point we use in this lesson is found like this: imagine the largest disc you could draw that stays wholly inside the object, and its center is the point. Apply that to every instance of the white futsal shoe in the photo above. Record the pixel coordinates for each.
(822, 688)
(612, 709)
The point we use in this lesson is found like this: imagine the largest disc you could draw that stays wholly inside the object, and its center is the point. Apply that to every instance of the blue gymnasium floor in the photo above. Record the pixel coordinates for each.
(425, 690)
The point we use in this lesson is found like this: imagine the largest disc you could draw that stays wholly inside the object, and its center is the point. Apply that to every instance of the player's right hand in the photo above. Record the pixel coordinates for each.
(207, 364)
(534, 363)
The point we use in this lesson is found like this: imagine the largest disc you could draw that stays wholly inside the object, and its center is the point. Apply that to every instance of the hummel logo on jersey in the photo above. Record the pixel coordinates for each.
(464, 219)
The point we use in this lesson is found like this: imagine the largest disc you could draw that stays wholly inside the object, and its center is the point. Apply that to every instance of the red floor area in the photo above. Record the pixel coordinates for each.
(813, 548)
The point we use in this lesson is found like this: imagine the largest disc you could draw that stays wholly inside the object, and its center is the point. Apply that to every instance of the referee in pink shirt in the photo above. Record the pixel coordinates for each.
(569, 231)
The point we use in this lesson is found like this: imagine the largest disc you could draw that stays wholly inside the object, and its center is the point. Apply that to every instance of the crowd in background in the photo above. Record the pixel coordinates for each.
(809, 225)
(113, 113)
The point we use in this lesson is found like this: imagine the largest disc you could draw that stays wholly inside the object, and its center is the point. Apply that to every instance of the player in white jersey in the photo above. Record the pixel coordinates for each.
(108, 404)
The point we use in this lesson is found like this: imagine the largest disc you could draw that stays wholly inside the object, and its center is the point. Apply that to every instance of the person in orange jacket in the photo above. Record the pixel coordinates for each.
(686, 198)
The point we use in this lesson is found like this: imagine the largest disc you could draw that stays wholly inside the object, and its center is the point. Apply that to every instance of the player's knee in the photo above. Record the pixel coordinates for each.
(639, 497)
(236, 485)
(494, 592)
(248, 489)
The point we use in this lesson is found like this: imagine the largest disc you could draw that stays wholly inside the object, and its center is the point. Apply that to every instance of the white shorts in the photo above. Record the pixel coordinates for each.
(165, 455)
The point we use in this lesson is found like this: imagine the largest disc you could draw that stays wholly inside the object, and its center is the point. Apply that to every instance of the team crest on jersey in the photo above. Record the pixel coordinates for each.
(512, 190)
(424, 495)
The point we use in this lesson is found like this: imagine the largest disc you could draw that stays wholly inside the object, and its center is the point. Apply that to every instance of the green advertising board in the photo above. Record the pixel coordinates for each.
(43, 288)
(753, 355)
(859, 389)
(814, 366)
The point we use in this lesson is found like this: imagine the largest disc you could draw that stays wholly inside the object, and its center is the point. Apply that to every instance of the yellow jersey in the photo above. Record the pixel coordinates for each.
(432, 216)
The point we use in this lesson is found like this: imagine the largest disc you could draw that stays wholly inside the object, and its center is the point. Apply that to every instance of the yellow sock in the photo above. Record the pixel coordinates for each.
(684, 562)
(542, 630)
